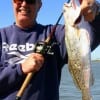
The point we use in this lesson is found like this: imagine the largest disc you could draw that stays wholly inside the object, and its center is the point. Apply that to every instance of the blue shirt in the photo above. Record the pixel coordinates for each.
(17, 44)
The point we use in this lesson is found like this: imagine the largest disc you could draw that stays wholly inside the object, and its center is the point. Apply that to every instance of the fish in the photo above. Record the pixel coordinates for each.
(78, 37)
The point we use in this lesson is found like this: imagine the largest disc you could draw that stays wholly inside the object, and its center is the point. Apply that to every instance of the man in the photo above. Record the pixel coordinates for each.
(18, 59)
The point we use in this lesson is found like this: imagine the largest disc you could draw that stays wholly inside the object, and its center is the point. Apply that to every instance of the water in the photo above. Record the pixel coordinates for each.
(68, 91)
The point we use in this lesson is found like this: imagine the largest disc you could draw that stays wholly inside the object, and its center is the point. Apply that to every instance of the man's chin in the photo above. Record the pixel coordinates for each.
(24, 18)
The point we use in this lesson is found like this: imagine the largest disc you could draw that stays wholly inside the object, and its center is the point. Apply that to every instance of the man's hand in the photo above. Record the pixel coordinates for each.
(33, 63)
(85, 4)
(89, 9)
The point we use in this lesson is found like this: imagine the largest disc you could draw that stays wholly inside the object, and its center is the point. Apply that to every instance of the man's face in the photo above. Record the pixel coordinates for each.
(26, 10)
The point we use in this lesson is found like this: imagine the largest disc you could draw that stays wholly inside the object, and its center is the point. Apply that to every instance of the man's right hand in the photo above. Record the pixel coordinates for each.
(33, 63)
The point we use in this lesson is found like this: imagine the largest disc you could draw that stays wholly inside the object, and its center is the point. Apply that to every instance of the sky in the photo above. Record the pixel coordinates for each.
(49, 13)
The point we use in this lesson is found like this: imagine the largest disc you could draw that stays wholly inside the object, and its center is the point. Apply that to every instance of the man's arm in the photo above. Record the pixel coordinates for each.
(96, 30)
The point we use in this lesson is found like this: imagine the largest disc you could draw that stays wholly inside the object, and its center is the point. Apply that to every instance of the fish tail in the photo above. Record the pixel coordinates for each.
(86, 95)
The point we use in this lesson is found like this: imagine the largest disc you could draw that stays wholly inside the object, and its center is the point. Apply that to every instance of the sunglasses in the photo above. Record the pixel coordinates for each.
(27, 1)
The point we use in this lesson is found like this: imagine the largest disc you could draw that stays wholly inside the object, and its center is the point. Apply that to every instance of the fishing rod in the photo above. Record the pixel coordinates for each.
(46, 49)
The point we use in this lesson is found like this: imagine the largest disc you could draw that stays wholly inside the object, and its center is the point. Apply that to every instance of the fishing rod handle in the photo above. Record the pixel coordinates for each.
(24, 85)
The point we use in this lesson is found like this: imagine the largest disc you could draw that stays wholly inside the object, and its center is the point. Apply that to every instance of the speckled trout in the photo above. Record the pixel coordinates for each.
(78, 38)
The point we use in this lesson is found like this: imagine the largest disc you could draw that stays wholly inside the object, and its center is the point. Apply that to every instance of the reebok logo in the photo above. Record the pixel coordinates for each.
(15, 47)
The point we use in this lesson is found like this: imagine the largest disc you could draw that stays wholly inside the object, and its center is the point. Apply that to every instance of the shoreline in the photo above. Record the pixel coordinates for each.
(95, 60)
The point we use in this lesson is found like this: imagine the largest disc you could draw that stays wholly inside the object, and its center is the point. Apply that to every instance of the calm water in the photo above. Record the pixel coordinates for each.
(68, 91)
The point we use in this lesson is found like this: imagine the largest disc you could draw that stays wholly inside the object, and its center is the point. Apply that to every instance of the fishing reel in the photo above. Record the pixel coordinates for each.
(45, 48)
